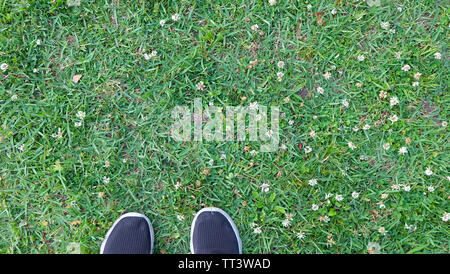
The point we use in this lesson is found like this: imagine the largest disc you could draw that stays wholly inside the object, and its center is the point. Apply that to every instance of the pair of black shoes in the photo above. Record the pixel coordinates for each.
(212, 232)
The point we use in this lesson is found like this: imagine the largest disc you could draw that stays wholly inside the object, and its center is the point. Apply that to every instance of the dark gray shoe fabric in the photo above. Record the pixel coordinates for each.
(131, 235)
(212, 233)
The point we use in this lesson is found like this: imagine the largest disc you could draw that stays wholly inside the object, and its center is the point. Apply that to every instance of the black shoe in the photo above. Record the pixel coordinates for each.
(132, 233)
(213, 232)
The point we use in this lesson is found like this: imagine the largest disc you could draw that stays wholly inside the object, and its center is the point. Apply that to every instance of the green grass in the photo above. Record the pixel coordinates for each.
(53, 193)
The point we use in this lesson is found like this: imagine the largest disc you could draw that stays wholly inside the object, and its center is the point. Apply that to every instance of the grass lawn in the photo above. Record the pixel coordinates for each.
(86, 92)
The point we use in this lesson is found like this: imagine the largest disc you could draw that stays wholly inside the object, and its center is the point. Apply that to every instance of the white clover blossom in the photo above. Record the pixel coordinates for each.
(176, 17)
(345, 103)
(4, 67)
(312, 182)
(351, 145)
(393, 101)
(81, 115)
(406, 67)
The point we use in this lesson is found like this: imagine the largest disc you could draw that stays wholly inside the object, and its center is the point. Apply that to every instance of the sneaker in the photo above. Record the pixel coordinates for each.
(132, 233)
(214, 232)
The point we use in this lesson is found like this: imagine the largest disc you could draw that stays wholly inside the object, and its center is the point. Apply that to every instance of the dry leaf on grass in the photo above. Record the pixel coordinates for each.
(76, 78)
(76, 222)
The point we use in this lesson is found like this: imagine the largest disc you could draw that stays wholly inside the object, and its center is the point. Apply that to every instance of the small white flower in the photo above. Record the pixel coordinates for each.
(407, 188)
(162, 22)
(428, 171)
(406, 67)
(35, 70)
(77, 124)
(38, 42)
(272, 2)
(308, 149)
(4, 67)
(444, 123)
(200, 86)
(415, 84)
(355, 194)
(437, 56)
(176, 17)
(253, 152)
(314, 207)
(269, 133)
(265, 187)
(320, 90)
(361, 58)
(291, 122)
(417, 75)
(393, 101)
(366, 127)
(395, 187)
(393, 118)
(446, 217)
(312, 182)
(386, 146)
(283, 147)
(398, 55)
(257, 230)
(14, 97)
(402, 150)
(339, 197)
(81, 115)
(286, 223)
(383, 94)
(146, 56)
(328, 196)
(309, 6)
(312, 134)
(431, 188)
(333, 11)
(384, 25)
(400, 9)
(351, 145)
(106, 180)
(255, 27)
(345, 103)
(180, 217)
(300, 235)
(280, 75)
(382, 230)
(21, 148)
(280, 64)
(153, 53)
